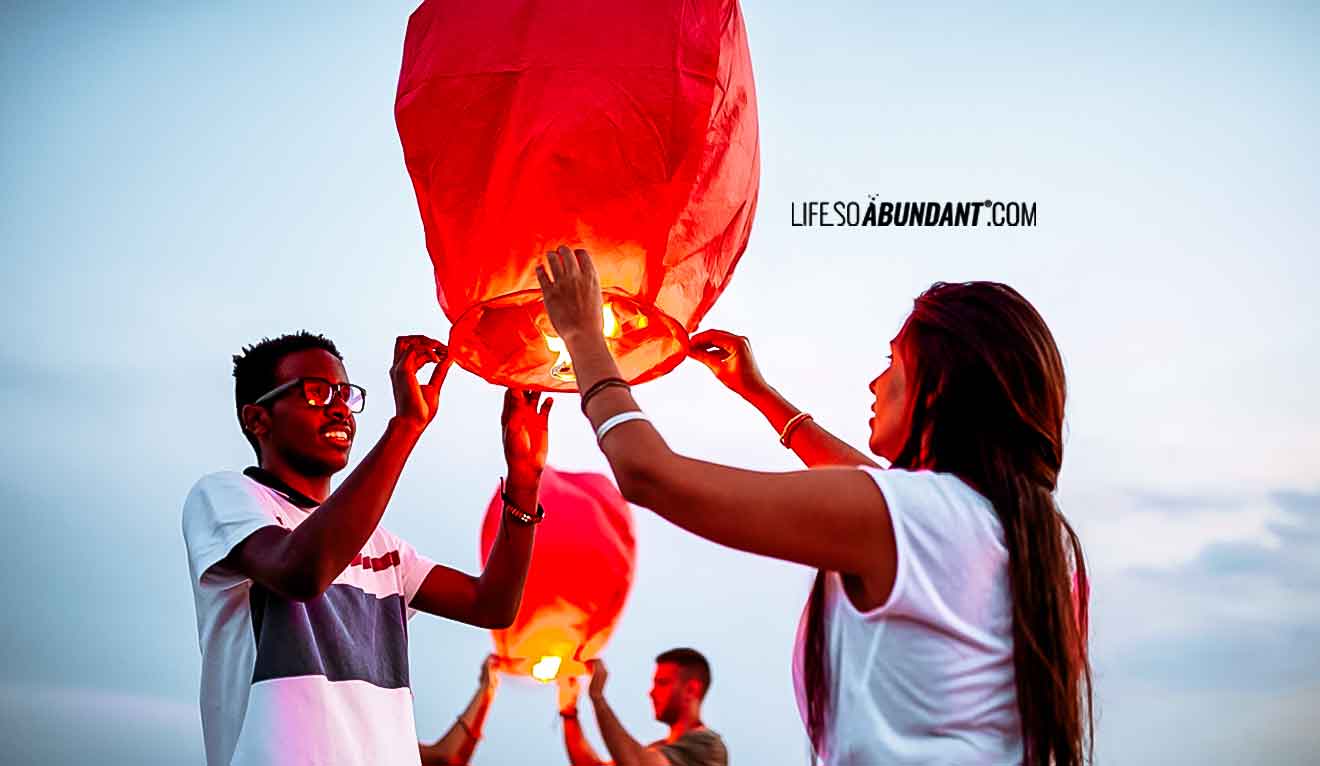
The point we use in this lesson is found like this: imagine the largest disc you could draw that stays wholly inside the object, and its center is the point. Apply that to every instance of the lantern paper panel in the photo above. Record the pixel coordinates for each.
(628, 129)
(581, 572)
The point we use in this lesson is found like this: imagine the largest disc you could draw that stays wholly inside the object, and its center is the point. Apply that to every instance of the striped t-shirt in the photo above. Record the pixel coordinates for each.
(299, 683)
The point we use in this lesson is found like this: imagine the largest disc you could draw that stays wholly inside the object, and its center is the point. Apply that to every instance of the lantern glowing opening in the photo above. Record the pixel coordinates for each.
(563, 366)
(546, 669)
(638, 141)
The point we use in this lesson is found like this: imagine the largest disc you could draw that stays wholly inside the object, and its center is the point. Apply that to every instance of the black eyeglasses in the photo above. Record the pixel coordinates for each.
(319, 392)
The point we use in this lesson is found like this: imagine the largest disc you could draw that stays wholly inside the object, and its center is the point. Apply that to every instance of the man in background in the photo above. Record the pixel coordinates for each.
(680, 683)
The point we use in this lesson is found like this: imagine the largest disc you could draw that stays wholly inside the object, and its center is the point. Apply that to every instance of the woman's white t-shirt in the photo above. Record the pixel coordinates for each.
(927, 677)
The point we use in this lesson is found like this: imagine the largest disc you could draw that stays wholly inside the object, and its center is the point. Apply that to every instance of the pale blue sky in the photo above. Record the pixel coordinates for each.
(181, 180)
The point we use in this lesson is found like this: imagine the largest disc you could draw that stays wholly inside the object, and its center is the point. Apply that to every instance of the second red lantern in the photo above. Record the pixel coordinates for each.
(629, 129)
(580, 576)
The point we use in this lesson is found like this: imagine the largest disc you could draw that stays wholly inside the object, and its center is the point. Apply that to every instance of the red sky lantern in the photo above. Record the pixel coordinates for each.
(629, 129)
(581, 572)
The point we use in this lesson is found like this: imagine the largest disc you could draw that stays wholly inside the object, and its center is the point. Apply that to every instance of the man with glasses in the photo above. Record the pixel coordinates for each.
(302, 598)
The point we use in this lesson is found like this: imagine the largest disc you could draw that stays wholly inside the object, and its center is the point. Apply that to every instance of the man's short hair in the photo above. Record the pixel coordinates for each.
(254, 368)
(691, 664)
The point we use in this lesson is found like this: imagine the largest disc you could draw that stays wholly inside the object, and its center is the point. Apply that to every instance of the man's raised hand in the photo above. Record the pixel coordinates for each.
(489, 679)
(568, 693)
(598, 676)
(525, 430)
(415, 403)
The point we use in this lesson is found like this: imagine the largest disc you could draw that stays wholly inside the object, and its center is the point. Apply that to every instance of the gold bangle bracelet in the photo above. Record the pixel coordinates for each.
(791, 425)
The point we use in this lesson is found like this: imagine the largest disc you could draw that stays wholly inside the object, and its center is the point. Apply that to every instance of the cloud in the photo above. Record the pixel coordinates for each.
(1161, 531)
(1237, 616)
(1292, 563)
(1172, 502)
(1145, 723)
(1236, 656)
(53, 724)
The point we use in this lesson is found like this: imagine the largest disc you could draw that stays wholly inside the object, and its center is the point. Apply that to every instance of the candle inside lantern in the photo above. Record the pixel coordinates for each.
(562, 369)
(546, 668)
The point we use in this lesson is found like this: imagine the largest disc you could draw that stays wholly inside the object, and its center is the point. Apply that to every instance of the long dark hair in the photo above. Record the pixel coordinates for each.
(986, 391)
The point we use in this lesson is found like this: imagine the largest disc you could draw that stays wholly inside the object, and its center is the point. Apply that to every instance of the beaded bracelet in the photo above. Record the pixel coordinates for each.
(519, 514)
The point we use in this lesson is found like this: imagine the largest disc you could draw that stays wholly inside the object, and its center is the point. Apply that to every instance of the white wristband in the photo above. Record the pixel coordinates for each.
(621, 418)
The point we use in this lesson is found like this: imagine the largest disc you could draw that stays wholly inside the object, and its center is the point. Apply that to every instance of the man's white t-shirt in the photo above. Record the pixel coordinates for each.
(299, 683)
(927, 677)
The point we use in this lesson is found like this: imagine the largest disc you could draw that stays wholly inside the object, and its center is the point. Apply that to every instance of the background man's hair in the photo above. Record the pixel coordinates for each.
(692, 664)
(254, 368)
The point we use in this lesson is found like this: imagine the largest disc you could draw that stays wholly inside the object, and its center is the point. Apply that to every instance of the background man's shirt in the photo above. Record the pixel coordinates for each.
(697, 747)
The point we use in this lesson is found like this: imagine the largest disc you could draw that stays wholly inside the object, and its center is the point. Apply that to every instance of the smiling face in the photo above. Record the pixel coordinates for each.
(891, 413)
(314, 441)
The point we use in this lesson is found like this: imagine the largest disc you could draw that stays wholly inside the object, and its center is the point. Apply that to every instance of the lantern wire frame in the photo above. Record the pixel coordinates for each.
(646, 343)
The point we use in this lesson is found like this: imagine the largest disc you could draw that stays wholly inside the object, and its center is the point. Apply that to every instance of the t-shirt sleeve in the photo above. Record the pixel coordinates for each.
(942, 544)
(696, 748)
(220, 513)
(413, 569)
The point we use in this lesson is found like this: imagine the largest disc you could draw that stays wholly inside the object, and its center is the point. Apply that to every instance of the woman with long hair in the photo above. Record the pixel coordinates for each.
(947, 624)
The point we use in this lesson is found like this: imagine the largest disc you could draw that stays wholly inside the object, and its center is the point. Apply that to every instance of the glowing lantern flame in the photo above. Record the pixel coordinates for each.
(610, 323)
(546, 669)
(563, 366)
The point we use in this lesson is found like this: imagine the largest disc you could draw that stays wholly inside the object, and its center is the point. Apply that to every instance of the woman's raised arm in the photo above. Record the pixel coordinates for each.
(829, 519)
(730, 357)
